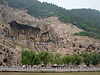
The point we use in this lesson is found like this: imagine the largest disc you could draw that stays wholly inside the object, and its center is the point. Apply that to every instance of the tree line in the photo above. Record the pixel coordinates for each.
(30, 58)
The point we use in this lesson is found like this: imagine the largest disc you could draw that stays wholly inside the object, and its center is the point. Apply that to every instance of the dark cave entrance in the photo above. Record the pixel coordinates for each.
(4, 60)
(24, 32)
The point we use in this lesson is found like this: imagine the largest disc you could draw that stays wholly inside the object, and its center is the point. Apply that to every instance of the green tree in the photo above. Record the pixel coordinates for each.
(31, 56)
(36, 60)
(57, 59)
(44, 57)
(95, 59)
(50, 58)
(76, 60)
(27, 57)
(79, 60)
(87, 58)
(99, 58)
(66, 59)
(24, 57)
(75, 23)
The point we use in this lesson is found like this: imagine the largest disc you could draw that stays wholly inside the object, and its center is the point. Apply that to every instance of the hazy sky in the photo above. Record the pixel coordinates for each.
(72, 4)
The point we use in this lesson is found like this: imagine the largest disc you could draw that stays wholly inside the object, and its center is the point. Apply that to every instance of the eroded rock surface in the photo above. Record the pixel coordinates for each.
(77, 45)
(15, 23)
(19, 23)
(9, 53)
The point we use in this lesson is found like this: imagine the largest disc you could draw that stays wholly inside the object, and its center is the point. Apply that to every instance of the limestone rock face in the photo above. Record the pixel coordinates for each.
(23, 26)
(63, 30)
(77, 45)
(15, 23)
(10, 51)
(18, 24)
(10, 54)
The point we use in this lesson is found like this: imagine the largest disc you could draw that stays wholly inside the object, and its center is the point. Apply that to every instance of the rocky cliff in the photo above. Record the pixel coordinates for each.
(15, 23)
(23, 26)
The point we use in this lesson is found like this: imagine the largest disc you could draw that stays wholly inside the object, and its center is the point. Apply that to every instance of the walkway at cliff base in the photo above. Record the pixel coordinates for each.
(47, 70)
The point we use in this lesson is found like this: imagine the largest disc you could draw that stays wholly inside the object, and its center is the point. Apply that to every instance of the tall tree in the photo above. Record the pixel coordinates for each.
(44, 57)
(28, 57)
(75, 59)
(95, 59)
(66, 59)
(57, 59)
(36, 60)
(99, 58)
(87, 58)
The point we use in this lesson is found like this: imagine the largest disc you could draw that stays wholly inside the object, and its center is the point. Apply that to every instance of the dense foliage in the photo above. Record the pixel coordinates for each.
(87, 19)
(44, 57)
(91, 58)
(57, 59)
(30, 58)
(2, 1)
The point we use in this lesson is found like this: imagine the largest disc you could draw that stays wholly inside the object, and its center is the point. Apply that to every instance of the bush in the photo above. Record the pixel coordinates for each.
(49, 40)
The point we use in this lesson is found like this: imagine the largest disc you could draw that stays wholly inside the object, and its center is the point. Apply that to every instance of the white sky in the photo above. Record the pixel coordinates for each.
(75, 4)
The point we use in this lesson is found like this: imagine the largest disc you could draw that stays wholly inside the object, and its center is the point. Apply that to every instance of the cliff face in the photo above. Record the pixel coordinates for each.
(77, 45)
(21, 25)
(9, 53)
(18, 24)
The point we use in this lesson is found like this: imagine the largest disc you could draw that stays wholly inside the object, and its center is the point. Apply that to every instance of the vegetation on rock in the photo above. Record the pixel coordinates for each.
(2, 1)
(49, 40)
